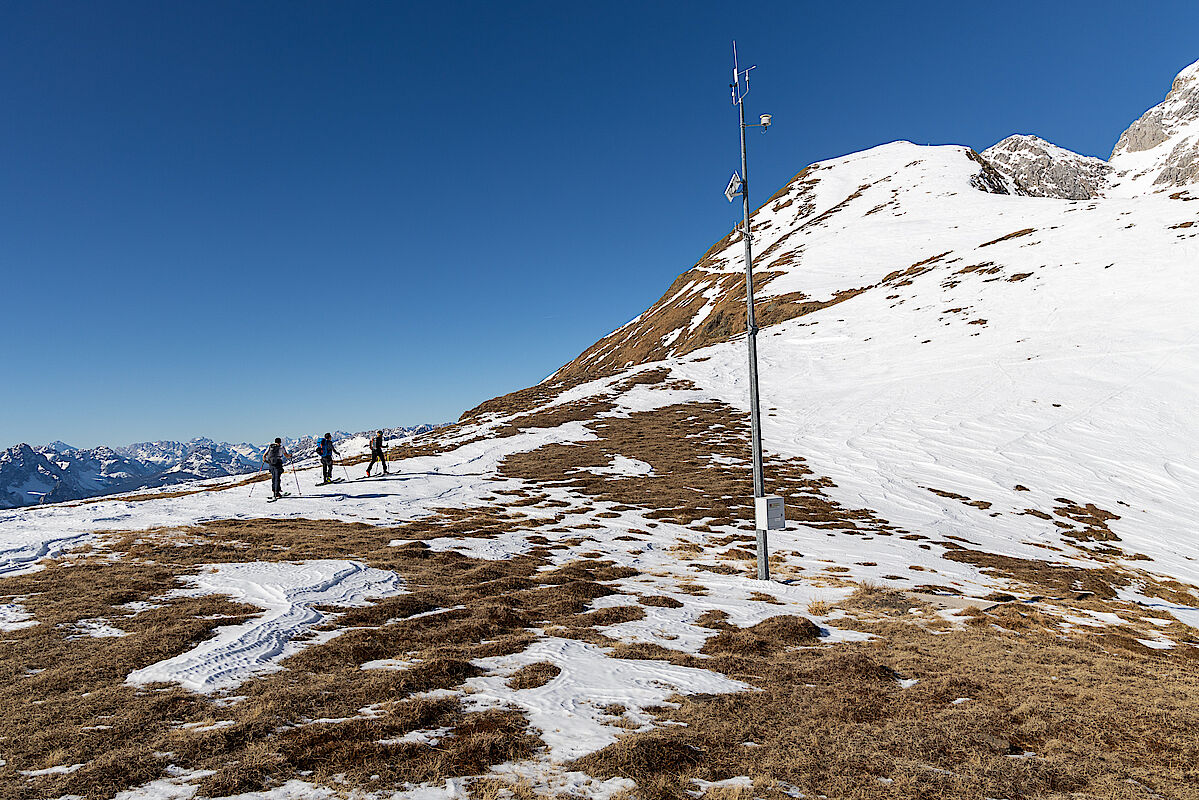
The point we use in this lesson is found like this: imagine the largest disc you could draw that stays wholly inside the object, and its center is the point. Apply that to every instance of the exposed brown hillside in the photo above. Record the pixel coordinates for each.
(649, 337)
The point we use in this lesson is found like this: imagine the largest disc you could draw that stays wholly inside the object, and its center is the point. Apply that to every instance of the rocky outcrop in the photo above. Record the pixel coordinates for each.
(27, 477)
(1041, 169)
(1161, 149)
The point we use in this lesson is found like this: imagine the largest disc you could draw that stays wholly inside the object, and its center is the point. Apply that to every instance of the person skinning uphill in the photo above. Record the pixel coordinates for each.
(274, 456)
(377, 453)
(326, 451)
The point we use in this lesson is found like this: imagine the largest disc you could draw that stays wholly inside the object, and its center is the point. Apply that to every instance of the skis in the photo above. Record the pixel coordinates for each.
(280, 497)
(379, 475)
(335, 480)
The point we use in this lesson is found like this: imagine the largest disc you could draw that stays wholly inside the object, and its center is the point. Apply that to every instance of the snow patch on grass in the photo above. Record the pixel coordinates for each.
(568, 710)
(288, 592)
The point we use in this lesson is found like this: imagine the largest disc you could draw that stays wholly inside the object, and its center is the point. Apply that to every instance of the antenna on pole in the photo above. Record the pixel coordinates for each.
(739, 75)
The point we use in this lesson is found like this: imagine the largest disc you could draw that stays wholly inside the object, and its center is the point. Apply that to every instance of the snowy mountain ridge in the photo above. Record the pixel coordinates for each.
(1159, 152)
(58, 472)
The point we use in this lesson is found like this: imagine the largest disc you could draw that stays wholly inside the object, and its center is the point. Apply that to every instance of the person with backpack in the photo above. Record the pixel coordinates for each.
(377, 453)
(274, 456)
(326, 451)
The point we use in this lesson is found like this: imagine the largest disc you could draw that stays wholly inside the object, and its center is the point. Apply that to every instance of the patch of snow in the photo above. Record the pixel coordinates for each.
(96, 628)
(14, 616)
(389, 663)
(61, 769)
(623, 467)
(1157, 644)
(288, 592)
(135, 607)
(428, 736)
(676, 628)
(740, 781)
(567, 711)
(200, 727)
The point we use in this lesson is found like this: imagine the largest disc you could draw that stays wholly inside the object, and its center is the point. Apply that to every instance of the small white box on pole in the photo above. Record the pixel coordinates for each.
(769, 513)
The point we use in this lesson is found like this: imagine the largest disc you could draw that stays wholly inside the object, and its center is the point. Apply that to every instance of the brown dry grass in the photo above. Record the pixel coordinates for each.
(642, 341)
(687, 485)
(1012, 235)
(531, 676)
(1044, 718)
(1098, 710)
(78, 710)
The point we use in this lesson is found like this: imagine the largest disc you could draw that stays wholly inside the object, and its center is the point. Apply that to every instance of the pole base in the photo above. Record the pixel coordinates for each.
(763, 561)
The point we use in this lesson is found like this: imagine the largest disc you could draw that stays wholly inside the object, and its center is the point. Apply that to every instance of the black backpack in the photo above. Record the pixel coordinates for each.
(273, 454)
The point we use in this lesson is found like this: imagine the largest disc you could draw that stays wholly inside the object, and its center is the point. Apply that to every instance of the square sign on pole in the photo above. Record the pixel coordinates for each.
(734, 187)
(769, 514)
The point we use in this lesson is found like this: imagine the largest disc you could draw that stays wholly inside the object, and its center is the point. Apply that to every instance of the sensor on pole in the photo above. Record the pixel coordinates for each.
(734, 187)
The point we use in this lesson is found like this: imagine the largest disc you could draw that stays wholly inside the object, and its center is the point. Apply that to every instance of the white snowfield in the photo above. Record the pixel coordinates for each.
(287, 593)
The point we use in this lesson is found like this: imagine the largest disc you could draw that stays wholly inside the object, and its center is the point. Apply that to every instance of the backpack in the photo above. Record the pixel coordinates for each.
(273, 455)
(324, 449)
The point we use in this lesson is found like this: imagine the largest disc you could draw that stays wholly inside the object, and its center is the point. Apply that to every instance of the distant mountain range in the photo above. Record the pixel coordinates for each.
(58, 472)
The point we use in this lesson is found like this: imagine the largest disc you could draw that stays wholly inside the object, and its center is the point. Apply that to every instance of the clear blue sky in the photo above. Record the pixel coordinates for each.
(241, 219)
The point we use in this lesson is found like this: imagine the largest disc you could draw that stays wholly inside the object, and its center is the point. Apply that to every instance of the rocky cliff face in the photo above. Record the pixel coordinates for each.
(1158, 152)
(1161, 149)
(1042, 169)
(28, 477)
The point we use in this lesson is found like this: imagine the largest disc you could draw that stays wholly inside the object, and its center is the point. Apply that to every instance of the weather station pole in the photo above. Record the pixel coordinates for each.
(768, 511)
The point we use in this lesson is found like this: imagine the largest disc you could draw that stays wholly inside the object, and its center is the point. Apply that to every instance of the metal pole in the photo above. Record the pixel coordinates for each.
(751, 338)
(297, 477)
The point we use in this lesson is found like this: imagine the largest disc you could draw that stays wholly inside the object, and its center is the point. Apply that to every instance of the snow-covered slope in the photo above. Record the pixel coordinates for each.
(875, 222)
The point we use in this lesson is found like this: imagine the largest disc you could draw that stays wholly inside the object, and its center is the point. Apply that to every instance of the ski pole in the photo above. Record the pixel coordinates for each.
(297, 477)
(254, 482)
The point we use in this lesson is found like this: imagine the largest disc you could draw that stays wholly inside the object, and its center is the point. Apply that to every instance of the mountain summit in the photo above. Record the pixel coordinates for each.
(1161, 149)
(1158, 152)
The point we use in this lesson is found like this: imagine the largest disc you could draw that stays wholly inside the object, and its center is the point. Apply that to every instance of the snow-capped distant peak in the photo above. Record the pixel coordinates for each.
(58, 472)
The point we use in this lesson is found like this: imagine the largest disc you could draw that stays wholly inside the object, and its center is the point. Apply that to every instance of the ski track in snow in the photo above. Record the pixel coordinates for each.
(287, 592)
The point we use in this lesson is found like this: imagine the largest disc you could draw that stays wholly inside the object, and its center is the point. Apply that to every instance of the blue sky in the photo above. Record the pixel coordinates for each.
(248, 219)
